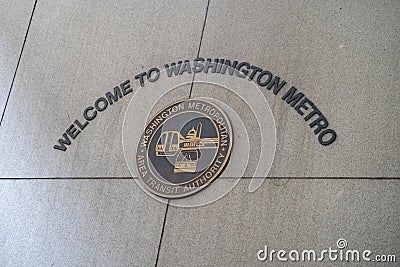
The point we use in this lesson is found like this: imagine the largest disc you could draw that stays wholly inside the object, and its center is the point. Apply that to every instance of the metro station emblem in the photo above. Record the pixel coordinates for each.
(183, 148)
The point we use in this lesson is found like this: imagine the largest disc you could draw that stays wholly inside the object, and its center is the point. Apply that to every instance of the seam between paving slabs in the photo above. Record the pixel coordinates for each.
(233, 177)
(19, 60)
(190, 95)
(198, 50)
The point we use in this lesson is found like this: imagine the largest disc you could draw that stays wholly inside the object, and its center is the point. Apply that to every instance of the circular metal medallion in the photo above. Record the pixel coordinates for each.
(183, 148)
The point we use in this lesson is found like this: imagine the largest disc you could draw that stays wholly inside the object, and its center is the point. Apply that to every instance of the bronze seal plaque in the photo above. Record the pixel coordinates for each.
(183, 148)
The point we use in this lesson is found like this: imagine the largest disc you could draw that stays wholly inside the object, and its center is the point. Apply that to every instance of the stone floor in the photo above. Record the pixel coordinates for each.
(82, 207)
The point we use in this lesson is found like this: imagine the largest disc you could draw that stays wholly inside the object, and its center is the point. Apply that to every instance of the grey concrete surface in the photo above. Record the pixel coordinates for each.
(78, 223)
(344, 55)
(332, 53)
(14, 20)
(74, 54)
(285, 214)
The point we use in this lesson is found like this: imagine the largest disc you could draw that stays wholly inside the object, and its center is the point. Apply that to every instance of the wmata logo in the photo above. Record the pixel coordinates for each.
(183, 148)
